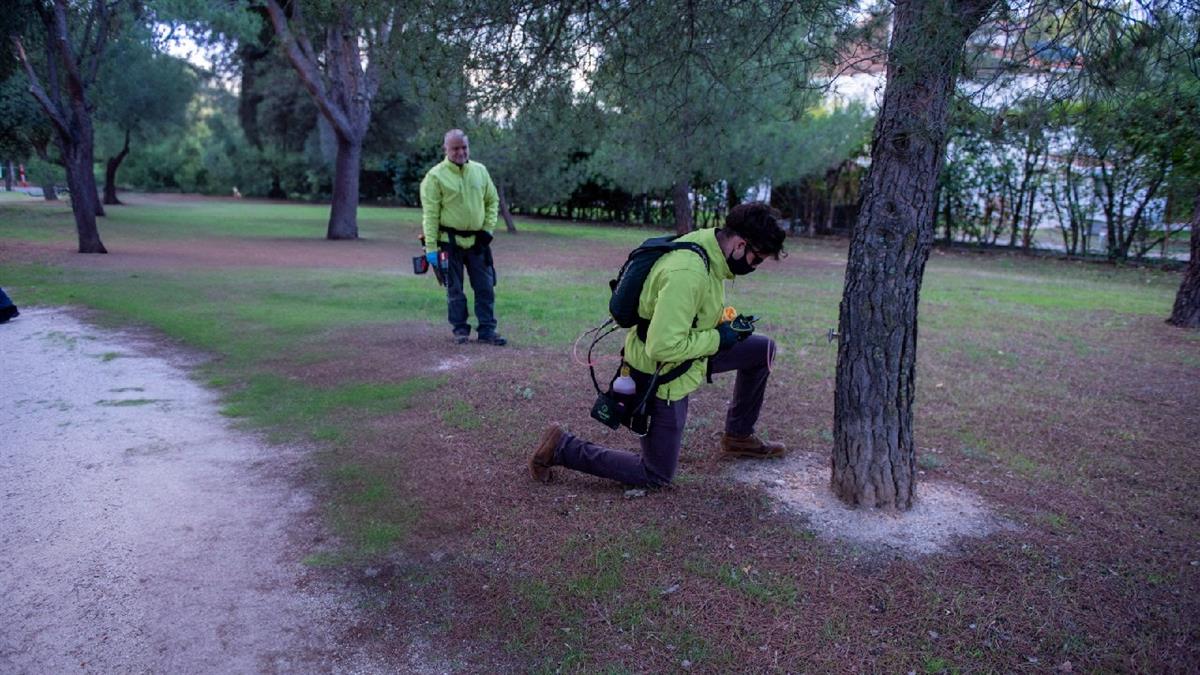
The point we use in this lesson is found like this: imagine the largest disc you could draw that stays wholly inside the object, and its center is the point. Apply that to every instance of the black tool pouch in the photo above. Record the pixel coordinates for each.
(632, 410)
(608, 410)
(420, 264)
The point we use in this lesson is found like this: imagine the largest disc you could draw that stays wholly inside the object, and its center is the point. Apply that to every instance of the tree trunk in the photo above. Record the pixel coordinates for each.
(343, 212)
(71, 117)
(48, 190)
(832, 177)
(683, 207)
(8, 176)
(85, 201)
(505, 212)
(1186, 313)
(110, 173)
(345, 102)
(948, 214)
(874, 458)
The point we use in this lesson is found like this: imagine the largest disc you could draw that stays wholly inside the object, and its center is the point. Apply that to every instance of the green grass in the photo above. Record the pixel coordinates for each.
(754, 584)
(462, 416)
(183, 219)
(273, 402)
(367, 511)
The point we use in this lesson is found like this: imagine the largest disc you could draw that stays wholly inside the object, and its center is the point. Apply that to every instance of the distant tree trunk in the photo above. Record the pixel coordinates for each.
(832, 177)
(874, 459)
(8, 176)
(48, 190)
(250, 53)
(948, 214)
(1186, 313)
(346, 101)
(505, 212)
(276, 191)
(110, 173)
(343, 211)
(71, 118)
(683, 207)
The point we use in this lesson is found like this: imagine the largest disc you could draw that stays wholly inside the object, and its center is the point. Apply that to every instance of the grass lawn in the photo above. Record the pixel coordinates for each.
(1053, 390)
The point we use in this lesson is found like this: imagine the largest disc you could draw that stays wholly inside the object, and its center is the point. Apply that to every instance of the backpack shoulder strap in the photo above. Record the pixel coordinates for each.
(694, 248)
(644, 324)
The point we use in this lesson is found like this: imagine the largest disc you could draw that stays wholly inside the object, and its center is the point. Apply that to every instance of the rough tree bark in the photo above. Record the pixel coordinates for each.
(681, 194)
(1186, 313)
(110, 173)
(874, 459)
(72, 118)
(345, 101)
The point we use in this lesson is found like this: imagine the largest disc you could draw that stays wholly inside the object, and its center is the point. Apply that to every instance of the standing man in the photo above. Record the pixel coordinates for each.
(458, 214)
(684, 300)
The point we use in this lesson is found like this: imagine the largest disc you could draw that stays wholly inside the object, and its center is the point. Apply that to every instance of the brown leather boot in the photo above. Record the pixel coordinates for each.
(543, 458)
(750, 446)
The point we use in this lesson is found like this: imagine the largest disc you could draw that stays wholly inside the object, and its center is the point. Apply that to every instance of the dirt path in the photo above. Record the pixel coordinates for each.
(138, 533)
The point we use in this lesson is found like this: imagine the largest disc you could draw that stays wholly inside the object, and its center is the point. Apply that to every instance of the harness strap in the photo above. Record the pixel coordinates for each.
(453, 232)
(660, 378)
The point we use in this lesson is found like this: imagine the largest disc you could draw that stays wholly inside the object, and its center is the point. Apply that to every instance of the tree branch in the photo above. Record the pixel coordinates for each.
(39, 93)
(299, 51)
(96, 49)
(62, 37)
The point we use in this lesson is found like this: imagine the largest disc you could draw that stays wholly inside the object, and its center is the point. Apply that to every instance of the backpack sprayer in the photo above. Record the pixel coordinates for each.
(630, 390)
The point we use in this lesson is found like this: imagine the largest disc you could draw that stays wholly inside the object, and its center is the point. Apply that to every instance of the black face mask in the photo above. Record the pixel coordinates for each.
(740, 266)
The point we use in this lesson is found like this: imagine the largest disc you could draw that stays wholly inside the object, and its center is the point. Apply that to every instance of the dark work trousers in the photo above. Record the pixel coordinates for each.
(656, 464)
(479, 269)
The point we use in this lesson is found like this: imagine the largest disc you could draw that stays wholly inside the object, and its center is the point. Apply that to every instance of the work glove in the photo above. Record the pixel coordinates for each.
(482, 240)
(735, 331)
(432, 258)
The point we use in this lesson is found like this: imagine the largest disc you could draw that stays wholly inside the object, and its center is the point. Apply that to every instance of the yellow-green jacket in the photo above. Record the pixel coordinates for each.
(462, 198)
(684, 302)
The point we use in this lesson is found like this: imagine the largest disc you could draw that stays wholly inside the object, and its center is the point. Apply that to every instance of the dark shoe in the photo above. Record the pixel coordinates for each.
(750, 446)
(543, 457)
(9, 312)
(493, 340)
(461, 339)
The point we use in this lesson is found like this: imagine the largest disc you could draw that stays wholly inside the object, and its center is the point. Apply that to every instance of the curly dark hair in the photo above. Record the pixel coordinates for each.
(758, 224)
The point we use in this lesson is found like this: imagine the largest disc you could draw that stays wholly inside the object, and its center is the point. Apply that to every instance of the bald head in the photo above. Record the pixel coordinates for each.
(458, 149)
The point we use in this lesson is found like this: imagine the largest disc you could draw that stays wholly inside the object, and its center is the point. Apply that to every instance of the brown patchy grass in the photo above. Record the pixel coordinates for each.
(1081, 431)
(1083, 435)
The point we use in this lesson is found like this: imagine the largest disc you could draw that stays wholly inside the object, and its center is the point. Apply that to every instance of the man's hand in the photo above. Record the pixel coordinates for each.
(729, 336)
(744, 325)
(735, 331)
(432, 258)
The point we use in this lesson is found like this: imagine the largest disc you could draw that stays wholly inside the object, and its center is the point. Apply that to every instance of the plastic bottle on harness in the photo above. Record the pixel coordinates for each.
(616, 407)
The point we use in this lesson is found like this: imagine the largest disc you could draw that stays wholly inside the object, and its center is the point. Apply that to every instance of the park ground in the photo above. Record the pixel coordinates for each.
(1051, 390)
